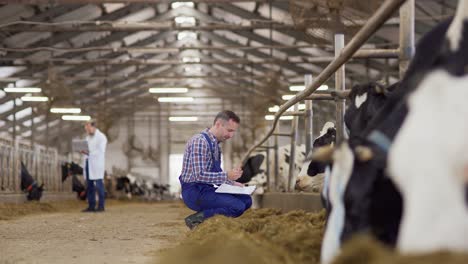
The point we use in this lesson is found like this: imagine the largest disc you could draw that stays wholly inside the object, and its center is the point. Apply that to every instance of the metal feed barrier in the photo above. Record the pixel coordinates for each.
(42, 163)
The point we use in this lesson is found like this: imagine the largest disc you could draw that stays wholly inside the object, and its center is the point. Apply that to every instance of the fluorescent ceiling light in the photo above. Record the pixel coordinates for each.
(168, 90)
(34, 99)
(298, 88)
(288, 96)
(22, 90)
(191, 59)
(187, 35)
(183, 118)
(323, 87)
(192, 69)
(276, 108)
(175, 99)
(76, 117)
(185, 21)
(179, 4)
(272, 117)
(196, 85)
(273, 109)
(61, 110)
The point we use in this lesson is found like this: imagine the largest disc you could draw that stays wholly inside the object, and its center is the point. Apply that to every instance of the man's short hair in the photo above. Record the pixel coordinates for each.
(227, 115)
(92, 122)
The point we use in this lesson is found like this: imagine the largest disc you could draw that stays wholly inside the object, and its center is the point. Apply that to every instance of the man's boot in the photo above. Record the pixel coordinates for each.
(194, 219)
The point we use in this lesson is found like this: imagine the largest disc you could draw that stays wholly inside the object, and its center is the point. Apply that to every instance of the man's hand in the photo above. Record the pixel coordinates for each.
(234, 174)
(238, 184)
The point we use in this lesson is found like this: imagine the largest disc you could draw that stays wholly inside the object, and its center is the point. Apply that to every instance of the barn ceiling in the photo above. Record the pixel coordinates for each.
(103, 56)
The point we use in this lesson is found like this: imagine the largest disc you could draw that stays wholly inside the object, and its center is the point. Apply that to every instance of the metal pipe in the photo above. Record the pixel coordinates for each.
(362, 54)
(37, 2)
(340, 86)
(292, 152)
(319, 97)
(406, 35)
(110, 26)
(309, 118)
(20, 61)
(378, 19)
(276, 157)
(268, 176)
(14, 121)
(147, 50)
(282, 134)
(296, 113)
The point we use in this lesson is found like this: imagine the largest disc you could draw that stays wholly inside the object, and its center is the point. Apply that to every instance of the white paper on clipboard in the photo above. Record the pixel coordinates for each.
(79, 145)
(227, 188)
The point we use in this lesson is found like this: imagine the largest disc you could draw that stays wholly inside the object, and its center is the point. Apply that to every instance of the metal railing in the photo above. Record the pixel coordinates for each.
(342, 55)
(42, 163)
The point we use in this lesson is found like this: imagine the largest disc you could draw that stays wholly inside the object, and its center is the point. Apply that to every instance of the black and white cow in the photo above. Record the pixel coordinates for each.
(72, 169)
(430, 167)
(251, 168)
(29, 185)
(311, 177)
(428, 179)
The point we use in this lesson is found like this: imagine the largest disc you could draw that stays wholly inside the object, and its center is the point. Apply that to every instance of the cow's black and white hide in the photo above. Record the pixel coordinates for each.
(413, 156)
(29, 185)
(356, 192)
(251, 168)
(431, 170)
(70, 168)
(124, 185)
(254, 173)
(283, 165)
(311, 176)
(73, 169)
(161, 190)
(78, 187)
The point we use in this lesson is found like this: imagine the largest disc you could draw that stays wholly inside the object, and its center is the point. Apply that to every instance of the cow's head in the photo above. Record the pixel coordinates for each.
(364, 101)
(251, 168)
(35, 192)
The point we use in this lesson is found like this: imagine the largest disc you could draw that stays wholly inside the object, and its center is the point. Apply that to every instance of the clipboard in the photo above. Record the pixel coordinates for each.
(79, 145)
(227, 188)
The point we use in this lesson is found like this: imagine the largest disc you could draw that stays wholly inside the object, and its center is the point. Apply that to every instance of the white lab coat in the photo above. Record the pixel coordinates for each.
(97, 156)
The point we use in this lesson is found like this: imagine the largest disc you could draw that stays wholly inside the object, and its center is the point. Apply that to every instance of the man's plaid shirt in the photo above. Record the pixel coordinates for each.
(198, 160)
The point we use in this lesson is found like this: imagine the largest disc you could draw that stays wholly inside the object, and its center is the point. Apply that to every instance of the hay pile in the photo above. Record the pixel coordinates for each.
(259, 236)
(267, 236)
(10, 210)
(364, 250)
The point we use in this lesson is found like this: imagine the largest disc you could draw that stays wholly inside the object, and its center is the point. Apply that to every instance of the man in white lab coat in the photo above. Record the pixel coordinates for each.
(94, 164)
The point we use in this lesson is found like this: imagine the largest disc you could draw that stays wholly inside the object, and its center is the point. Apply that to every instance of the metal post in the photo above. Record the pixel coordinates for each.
(406, 35)
(339, 86)
(14, 121)
(309, 118)
(268, 168)
(32, 128)
(276, 159)
(292, 152)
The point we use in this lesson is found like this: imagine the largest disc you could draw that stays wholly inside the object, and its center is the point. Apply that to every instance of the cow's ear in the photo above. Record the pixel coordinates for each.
(379, 89)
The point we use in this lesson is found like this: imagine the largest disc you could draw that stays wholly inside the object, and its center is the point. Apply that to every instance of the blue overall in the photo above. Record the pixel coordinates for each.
(202, 197)
(91, 193)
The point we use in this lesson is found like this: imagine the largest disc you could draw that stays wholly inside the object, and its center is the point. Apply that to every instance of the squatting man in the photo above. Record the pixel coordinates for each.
(201, 170)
